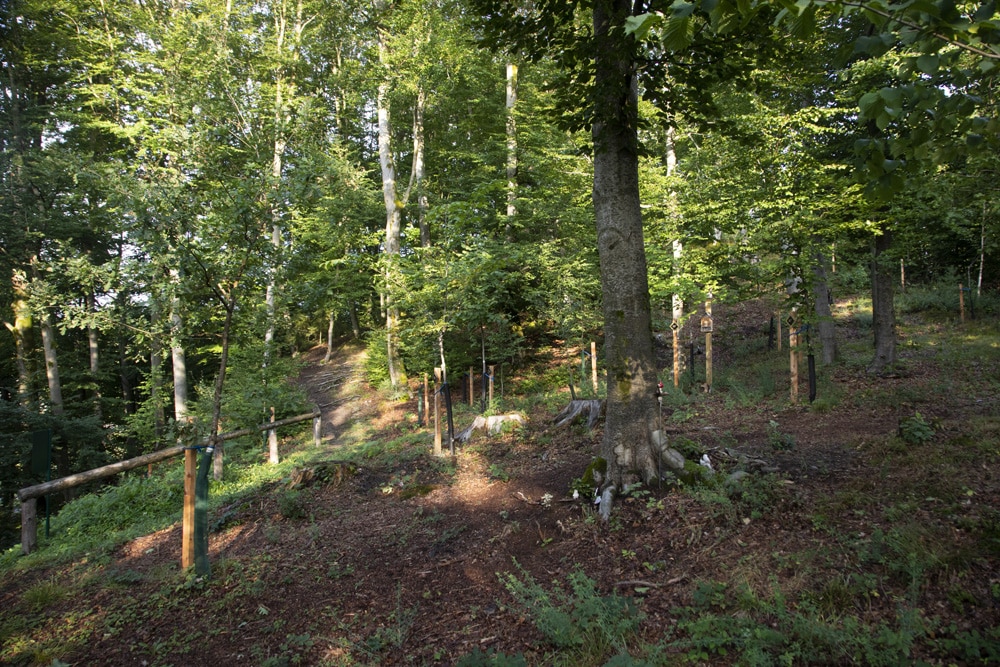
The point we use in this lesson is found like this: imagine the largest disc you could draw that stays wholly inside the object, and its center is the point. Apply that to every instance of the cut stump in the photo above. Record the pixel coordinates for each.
(592, 408)
(332, 473)
(491, 425)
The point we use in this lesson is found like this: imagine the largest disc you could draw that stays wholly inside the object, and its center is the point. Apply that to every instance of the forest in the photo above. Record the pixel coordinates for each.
(201, 199)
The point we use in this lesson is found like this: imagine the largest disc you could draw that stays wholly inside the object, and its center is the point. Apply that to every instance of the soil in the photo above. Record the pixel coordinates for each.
(395, 561)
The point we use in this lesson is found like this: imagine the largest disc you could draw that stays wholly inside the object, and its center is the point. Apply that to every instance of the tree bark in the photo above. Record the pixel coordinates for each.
(883, 311)
(420, 168)
(329, 338)
(628, 445)
(92, 343)
(177, 356)
(397, 376)
(511, 148)
(824, 317)
(23, 332)
(217, 457)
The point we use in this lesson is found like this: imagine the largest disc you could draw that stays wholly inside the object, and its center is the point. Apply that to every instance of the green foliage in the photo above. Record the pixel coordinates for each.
(293, 504)
(135, 506)
(915, 430)
(376, 365)
(579, 619)
(722, 624)
(491, 658)
(251, 391)
(779, 441)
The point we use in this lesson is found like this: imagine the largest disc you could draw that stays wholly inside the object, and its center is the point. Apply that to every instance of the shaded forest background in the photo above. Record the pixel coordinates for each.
(194, 192)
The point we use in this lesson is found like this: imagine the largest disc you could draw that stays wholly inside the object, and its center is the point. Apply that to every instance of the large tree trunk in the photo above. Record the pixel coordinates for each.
(628, 443)
(420, 168)
(824, 317)
(397, 375)
(883, 312)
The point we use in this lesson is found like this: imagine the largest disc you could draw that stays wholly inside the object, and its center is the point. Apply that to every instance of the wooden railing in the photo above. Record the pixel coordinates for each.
(29, 495)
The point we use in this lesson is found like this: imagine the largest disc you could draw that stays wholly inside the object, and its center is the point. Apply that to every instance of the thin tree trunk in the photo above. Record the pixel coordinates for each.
(177, 356)
(355, 324)
(511, 148)
(56, 404)
(217, 456)
(92, 342)
(23, 332)
(824, 316)
(883, 311)
(982, 253)
(628, 445)
(156, 371)
(329, 338)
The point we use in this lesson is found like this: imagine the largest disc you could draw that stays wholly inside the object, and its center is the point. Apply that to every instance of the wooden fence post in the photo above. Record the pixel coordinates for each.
(793, 360)
(961, 304)
(492, 371)
(472, 387)
(437, 412)
(187, 515)
(593, 365)
(708, 342)
(29, 525)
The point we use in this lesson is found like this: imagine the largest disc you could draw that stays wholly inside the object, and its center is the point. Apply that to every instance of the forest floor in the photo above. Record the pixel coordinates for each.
(393, 557)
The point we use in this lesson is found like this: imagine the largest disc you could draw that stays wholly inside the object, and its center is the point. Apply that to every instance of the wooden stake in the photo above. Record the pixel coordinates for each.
(317, 431)
(677, 355)
(593, 365)
(29, 525)
(708, 343)
(491, 383)
(427, 403)
(777, 318)
(793, 342)
(472, 386)
(187, 516)
(437, 412)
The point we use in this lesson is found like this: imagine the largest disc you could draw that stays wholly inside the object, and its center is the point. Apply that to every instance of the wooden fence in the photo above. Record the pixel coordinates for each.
(29, 495)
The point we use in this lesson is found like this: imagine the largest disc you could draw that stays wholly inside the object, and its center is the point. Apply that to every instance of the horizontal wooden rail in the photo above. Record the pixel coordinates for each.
(30, 494)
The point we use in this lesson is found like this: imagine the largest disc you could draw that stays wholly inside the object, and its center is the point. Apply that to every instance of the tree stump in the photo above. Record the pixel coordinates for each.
(592, 408)
(491, 425)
